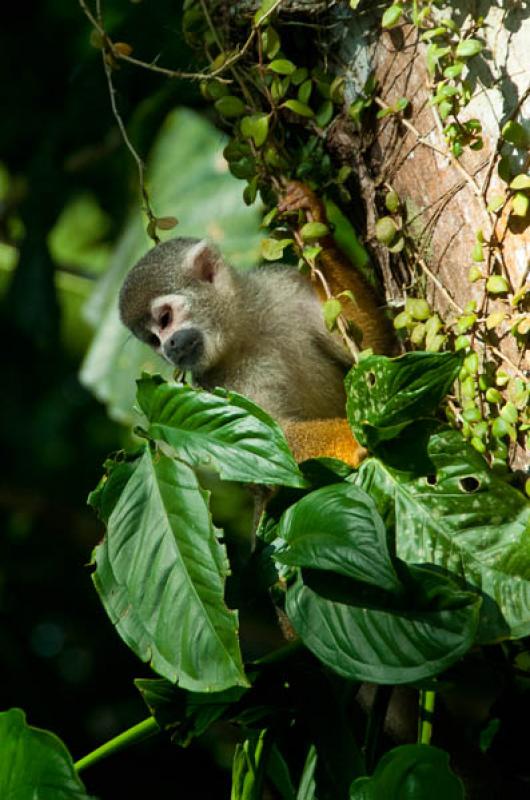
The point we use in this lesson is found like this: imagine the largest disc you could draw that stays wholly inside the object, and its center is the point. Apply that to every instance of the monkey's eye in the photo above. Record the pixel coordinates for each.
(165, 318)
(153, 340)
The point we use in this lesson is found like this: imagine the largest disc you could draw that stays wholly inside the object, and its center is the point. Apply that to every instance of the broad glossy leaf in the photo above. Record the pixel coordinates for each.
(35, 764)
(410, 772)
(184, 714)
(465, 519)
(160, 573)
(222, 430)
(387, 394)
(382, 645)
(190, 181)
(339, 530)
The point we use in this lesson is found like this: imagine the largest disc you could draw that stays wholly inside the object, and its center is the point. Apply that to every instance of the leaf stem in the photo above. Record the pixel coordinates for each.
(426, 710)
(280, 654)
(143, 730)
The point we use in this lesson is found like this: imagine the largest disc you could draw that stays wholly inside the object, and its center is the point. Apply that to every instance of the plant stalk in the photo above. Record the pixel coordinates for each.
(143, 730)
(426, 710)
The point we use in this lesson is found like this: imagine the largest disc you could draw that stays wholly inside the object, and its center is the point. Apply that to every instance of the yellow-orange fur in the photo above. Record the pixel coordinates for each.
(333, 437)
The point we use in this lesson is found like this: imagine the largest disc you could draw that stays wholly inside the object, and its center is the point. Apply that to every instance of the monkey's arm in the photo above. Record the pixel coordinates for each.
(340, 276)
(333, 437)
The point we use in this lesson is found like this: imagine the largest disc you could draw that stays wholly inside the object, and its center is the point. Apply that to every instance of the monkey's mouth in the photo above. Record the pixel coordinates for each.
(185, 348)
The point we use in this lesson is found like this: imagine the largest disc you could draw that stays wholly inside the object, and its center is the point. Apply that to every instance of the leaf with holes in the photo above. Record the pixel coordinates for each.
(160, 573)
(459, 515)
(387, 394)
(35, 763)
(222, 430)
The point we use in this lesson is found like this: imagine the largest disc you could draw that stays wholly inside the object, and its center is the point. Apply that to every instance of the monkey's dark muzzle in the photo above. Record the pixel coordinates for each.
(185, 348)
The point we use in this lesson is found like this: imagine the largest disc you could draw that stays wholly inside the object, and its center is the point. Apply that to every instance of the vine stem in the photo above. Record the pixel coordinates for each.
(341, 322)
(426, 710)
(137, 733)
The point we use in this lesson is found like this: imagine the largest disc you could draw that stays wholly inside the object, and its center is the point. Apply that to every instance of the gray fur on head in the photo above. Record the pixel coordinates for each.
(260, 332)
(154, 275)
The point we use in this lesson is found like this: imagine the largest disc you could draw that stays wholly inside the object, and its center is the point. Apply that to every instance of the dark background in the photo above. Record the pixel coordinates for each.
(61, 660)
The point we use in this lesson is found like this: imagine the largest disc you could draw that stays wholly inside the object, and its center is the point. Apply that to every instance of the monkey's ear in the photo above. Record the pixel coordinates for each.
(203, 261)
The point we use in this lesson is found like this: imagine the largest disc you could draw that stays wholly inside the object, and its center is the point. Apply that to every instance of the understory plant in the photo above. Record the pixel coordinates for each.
(411, 570)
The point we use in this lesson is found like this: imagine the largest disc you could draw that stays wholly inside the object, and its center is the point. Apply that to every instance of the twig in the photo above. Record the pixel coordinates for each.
(439, 285)
(172, 73)
(412, 128)
(504, 358)
(138, 160)
(341, 322)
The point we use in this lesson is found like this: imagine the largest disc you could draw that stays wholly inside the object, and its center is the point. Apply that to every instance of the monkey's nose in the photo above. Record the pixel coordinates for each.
(184, 348)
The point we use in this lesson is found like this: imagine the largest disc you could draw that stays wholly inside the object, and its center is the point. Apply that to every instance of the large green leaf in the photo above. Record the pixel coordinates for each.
(388, 645)
(160, 572)
(188, 178)
(35, 764)
(353, 601)
(222, 430)
(351, 605)
(338, 528)
(387, 394)
(410, 772)
(467, 520)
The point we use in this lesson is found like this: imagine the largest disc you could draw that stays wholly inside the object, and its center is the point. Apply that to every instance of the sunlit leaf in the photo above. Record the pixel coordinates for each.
(299, 108)
(387, 394)
(461, 516)
(392, 16)
(160, 574)
(222, 430)
(468, 48)
(256, 127)
(272, 249)
(282, 66)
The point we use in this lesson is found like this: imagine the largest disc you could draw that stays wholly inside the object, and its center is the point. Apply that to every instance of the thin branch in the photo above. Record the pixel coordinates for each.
(105, 38)
(412, 128)
(439, 285)
(341, 322)
(172, 73)
(138, 160)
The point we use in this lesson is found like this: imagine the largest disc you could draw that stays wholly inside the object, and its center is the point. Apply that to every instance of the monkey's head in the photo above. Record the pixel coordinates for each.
(180, 299)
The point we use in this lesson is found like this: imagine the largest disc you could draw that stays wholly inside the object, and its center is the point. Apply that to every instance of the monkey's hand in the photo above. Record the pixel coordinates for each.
(323, 437)
(299, 196)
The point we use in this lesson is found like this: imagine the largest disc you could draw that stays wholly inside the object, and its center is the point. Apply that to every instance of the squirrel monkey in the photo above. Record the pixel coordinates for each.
(260, 333)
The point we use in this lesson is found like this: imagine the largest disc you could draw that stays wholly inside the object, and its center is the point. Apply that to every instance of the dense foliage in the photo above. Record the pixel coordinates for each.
(412, 570)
